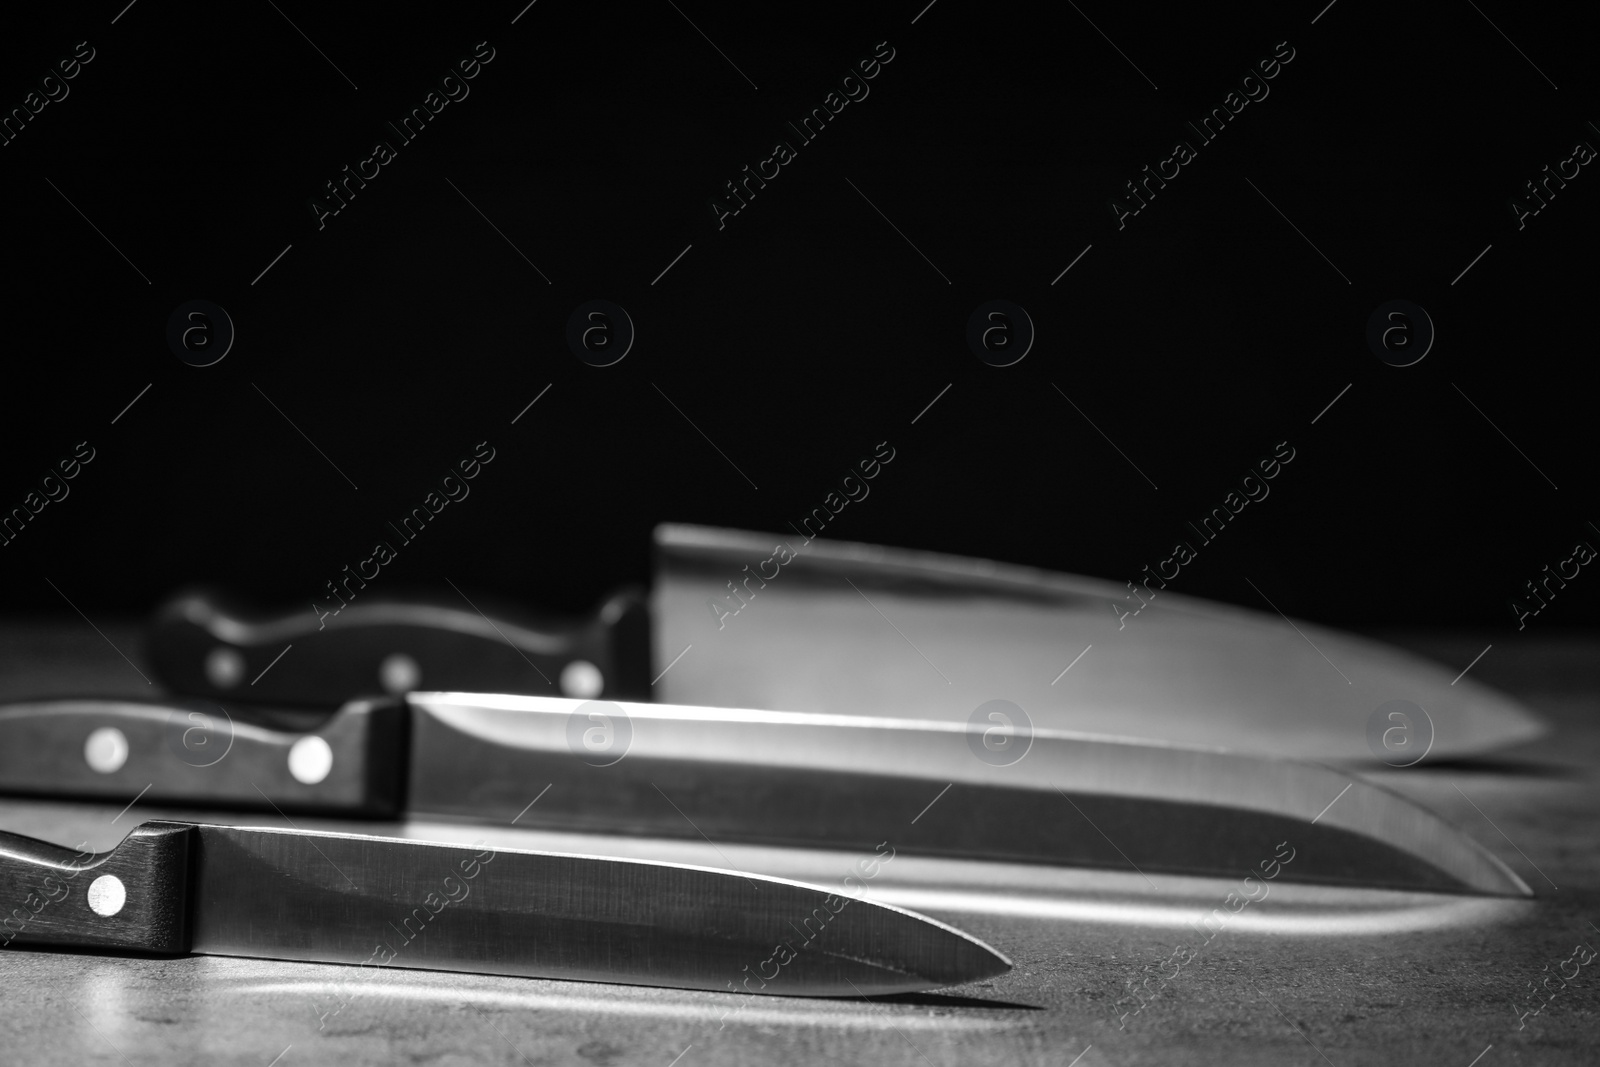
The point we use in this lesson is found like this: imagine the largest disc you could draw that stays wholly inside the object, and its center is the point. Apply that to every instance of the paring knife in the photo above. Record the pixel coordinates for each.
(174, 888)
(780, 622)
(990, 791)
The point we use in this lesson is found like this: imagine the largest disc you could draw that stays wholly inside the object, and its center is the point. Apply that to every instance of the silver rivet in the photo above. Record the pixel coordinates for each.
(224, 667)
(399, 673)
(582, 680)
(310, 760)
(107, 895)
(106, 750)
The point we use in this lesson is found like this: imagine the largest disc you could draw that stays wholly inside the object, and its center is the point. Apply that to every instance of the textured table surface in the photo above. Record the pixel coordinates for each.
(1306, 976)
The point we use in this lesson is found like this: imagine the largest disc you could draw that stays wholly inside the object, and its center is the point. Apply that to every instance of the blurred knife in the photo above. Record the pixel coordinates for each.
(770, 621)
(994, 790)
(172, 888)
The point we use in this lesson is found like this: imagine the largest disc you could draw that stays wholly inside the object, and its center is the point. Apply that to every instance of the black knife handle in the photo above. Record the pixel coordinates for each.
(133, 898)
(198, 752)
(206, 644)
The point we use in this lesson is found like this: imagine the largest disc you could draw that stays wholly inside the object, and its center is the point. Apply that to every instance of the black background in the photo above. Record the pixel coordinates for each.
(808, 330)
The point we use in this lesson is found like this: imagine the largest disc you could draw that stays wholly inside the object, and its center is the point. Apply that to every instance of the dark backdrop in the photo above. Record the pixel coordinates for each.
(416, 324)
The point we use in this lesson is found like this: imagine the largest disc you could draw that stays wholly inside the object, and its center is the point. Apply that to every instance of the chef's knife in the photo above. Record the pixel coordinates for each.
(993, 789)
(781, 622)
(171, 888)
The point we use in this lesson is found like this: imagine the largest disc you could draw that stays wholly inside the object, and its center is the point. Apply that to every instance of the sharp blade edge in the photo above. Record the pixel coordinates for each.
(345, 898)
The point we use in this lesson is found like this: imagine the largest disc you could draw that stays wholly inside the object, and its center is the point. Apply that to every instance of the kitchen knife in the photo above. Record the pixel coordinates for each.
(993, 789)
(172, 888)
(780, 622)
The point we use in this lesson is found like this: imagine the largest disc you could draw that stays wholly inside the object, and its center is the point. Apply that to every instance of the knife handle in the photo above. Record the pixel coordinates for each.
(133, 898)
(195, 752)
(205, 644)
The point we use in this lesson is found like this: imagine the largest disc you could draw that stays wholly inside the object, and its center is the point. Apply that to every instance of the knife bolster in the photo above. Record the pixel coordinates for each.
(134, 898)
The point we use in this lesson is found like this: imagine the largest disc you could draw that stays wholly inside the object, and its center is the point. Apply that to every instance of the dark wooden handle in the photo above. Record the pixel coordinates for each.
(207, 644)
(134, 897)
(348, 762)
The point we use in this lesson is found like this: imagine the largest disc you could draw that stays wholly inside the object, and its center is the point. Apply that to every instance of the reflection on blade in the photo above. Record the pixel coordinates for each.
(346, 898)
(846, 781)
(861, 629)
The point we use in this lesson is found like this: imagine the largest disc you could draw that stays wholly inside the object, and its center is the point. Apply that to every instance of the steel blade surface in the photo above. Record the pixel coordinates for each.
(850, 781)
(862, 629)
(354, 899)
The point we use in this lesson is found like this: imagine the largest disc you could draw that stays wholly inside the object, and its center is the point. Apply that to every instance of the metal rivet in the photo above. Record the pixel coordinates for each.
(107, 895)
(224, 667)
(399, 673)
(106, 750)
(310, 760)
(582, 680)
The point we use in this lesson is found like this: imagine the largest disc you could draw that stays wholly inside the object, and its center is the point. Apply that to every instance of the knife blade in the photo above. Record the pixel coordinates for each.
(927, 635)
(173, 888)
(834, 781)
(903, 633)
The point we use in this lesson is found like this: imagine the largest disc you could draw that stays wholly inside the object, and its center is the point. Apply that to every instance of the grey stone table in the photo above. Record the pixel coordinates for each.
(1306, 976)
